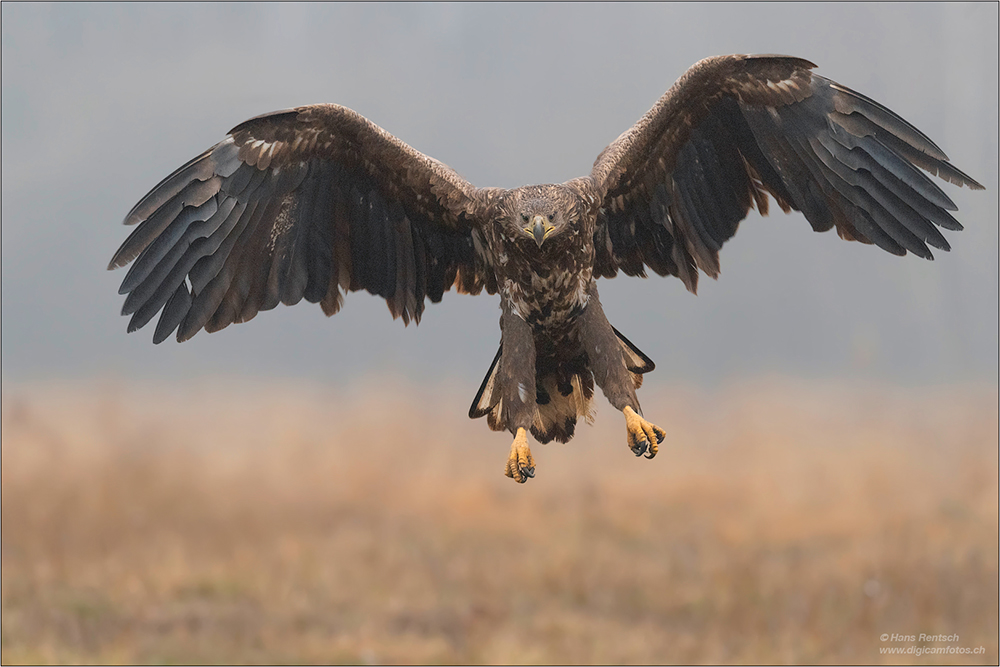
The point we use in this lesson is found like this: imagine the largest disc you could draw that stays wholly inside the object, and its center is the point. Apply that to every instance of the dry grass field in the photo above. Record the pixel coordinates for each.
(231, 522)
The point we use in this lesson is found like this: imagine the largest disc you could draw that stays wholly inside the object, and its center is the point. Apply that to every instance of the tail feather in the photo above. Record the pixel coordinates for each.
(635, 360)
(555, 419)
(489, 395)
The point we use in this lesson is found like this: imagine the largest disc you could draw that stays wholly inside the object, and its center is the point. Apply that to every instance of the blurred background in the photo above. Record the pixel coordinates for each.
(309, 489)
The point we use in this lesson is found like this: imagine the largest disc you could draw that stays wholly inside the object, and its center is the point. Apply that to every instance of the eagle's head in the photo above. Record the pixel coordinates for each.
(537, 213)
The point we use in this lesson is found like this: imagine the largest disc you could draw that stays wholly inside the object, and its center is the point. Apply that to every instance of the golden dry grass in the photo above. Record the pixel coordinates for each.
(783, 521)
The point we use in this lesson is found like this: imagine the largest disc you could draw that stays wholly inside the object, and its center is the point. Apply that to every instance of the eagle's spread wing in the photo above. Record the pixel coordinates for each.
(675, 186)
(309, 202)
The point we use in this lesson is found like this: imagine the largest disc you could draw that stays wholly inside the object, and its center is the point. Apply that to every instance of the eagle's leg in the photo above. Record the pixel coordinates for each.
(607, 362)
(517, 378)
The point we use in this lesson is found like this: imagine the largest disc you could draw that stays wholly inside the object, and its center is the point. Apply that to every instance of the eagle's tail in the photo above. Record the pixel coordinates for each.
(559, 401)
(559, 404)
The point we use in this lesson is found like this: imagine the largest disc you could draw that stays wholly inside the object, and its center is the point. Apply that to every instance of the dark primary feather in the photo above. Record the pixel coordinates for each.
(674, 188)
(306, 203)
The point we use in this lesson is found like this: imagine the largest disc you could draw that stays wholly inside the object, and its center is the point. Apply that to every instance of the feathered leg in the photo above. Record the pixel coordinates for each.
(517, 378)
(607, 362)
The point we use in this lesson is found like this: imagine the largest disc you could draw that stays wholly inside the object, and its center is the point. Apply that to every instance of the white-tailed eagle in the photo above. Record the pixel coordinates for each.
(317, 201)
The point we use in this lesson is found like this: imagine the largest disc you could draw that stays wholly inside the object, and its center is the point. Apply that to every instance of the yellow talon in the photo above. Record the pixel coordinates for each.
(643, 436)
(521, 464)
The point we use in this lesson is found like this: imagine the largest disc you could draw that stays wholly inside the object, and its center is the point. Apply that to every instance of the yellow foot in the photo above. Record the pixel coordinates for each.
(520, 465)
(643, 437)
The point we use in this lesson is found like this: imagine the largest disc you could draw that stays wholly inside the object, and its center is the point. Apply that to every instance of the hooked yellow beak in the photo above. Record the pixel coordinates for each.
(539, 229)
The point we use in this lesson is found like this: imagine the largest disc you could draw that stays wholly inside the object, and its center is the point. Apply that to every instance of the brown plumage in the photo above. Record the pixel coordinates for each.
(317, 201)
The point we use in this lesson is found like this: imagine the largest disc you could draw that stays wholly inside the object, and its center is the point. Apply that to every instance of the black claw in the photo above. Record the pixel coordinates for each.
(528, 472)
(640, 447)
(650, 454)
(660, 438)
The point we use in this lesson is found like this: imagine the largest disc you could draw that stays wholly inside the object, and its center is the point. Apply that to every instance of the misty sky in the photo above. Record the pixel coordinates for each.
(102, 101)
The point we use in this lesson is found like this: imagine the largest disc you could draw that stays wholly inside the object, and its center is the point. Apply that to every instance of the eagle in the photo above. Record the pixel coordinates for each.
(317, 201)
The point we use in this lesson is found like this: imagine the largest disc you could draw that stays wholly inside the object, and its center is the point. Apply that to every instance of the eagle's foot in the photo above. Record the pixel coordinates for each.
(643, 437)
(521, 464)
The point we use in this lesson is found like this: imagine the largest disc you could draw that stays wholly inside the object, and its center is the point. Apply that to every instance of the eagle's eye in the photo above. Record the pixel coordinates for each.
(524, 216)
(551, 216)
